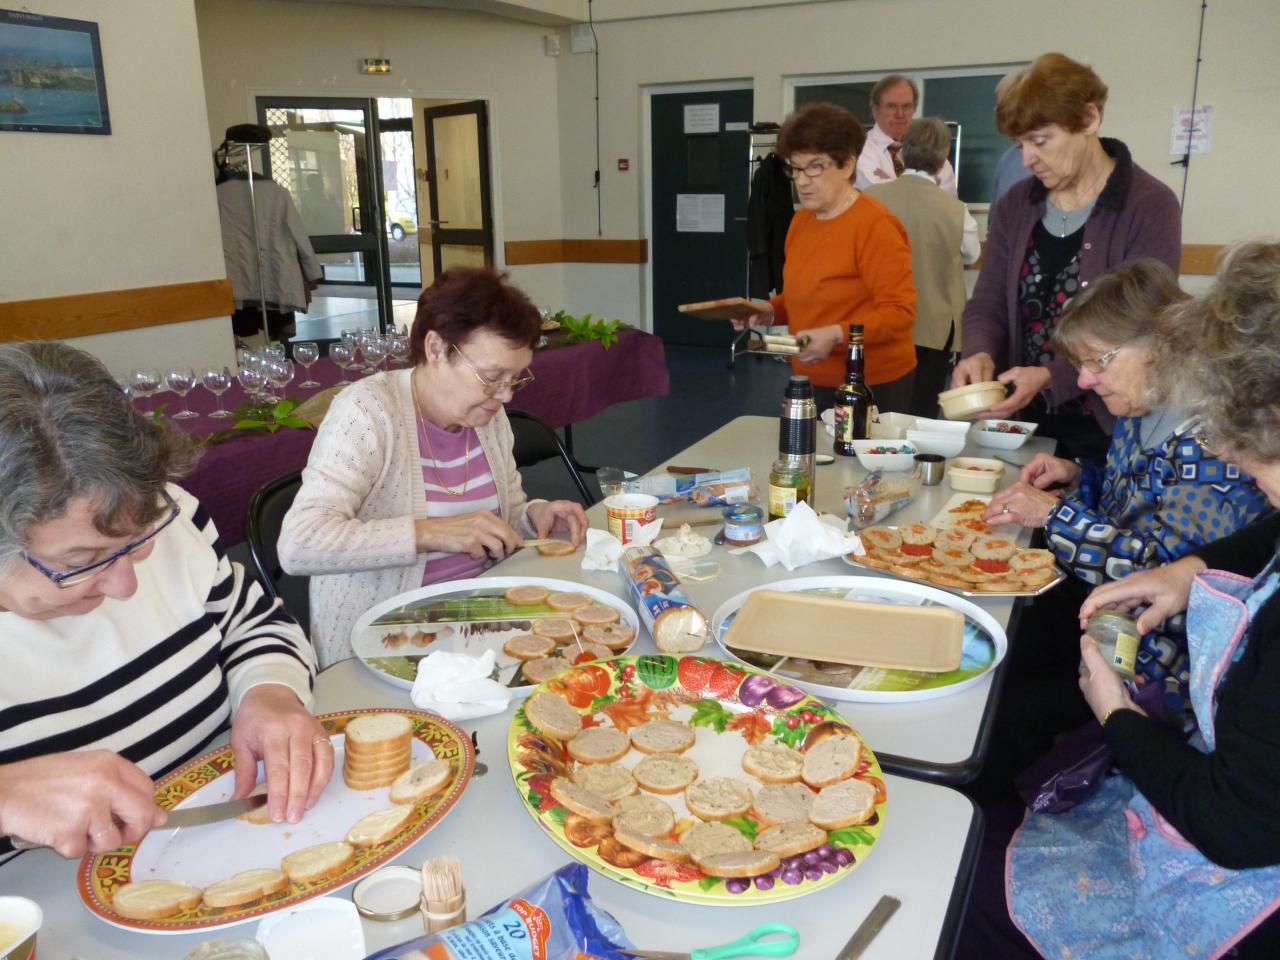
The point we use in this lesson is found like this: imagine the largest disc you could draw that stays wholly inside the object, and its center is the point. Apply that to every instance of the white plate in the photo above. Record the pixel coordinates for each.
(1002, 441)
(398, 665)
(874, 682)
(325, 929)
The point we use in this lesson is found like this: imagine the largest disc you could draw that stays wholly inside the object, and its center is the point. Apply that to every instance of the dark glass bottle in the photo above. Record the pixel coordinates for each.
(854, 398)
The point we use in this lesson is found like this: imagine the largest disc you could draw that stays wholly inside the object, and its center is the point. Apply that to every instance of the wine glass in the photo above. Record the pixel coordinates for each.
(399, 349)
(344, 355)
(217, 380)
(144, 382)
(306, 353)
(375, 351)
(274, 351)
(252, 379)
(280, 373)
(181, 380)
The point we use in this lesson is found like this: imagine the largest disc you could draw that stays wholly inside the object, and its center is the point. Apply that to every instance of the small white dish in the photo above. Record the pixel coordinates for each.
(956, 427)
(902, 457)
(942, 444)
(988, 434)
(892, 426)
(323, 929)
(975, 474)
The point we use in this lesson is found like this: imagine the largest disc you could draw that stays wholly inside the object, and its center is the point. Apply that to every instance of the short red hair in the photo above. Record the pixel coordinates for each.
(822, 128)
(1055, 89)
(466, 299)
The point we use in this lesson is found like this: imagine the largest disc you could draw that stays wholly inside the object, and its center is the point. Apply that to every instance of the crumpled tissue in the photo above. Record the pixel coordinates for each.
(458, 686)
(802, 537)
(604, 549)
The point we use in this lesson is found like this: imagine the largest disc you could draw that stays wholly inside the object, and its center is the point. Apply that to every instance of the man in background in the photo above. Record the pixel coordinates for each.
(893, 104)
(1009, 168)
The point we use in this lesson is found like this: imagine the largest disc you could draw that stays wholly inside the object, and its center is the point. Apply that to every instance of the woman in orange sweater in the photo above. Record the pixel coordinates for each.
(847, 261)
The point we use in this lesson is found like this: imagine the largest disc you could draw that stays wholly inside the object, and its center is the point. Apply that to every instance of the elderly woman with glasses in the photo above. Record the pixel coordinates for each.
(1179, 854)
(411, 479)
(129, 639)
(847, 261)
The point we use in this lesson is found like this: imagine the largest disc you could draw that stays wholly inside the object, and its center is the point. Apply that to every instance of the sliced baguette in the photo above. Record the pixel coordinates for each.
(662, 736)
(599, 745)
(831, 760)
(717, 798)
(665, 773)
(528, 595)
(418, 783)
(544, 668)
(320, 862)
(553, 716)
(607, 779)
(843, 804)
(379, 826)
(706, 839)
(773, 762)
(529, 646)
(559, 629)
(155, 899)
(748, 863)
(557, 548)
(568, 600)
(371, 732)
(790, 839)
(248, 886)
(594, 614)
(644, 815)
(615, 636)
(656, 847)
(782, 803)
(585, 803)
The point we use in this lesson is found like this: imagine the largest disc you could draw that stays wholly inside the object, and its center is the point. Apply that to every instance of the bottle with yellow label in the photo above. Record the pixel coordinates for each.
(789, 484)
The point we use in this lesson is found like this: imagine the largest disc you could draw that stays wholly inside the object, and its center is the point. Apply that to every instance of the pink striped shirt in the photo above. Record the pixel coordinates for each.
(460, 464)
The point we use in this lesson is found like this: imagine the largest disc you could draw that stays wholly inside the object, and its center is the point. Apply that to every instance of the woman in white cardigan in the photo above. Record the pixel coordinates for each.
(411, 479)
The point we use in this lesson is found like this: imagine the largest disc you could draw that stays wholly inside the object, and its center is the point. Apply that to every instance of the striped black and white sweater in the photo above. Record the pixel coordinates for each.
(157, 676)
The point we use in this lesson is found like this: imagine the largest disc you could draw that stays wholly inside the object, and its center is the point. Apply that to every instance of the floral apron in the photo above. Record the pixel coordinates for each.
(1111, 879)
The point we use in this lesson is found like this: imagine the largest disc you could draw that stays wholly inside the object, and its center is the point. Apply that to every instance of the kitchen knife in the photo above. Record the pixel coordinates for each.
(213, 812)
(871, 926)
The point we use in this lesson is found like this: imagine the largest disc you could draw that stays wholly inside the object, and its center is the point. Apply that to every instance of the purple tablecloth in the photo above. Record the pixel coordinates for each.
(573, 383)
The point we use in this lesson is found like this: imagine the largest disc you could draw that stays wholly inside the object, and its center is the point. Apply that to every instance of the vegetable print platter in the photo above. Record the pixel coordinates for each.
(473, 616)
(958, 552)
(697, 779)
(206, 854)
(983, 648)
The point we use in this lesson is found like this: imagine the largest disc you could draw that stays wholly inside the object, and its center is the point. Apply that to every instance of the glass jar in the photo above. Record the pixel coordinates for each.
(1117, 636)
(743, 525)
(790, 482)
(229, 950)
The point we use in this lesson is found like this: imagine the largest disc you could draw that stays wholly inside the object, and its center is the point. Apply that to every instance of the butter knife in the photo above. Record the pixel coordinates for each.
(871, 926)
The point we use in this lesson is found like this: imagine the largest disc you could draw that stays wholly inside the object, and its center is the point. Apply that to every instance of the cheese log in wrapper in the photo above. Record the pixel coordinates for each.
(677, 626)
(888, 635)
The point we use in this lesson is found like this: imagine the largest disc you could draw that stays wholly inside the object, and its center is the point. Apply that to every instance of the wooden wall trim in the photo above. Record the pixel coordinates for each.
(567, 250)
(110, 311)
(1200, 258)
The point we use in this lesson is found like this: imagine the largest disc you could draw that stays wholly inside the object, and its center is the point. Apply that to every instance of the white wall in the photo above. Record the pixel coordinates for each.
(261, 47)
(1144, 50)
(133, 209)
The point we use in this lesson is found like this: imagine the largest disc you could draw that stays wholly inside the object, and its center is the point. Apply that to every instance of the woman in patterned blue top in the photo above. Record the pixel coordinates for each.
(1159, 494)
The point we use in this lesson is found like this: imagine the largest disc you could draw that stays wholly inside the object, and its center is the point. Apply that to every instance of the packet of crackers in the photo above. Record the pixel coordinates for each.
(718, 488)
(675, 624)
(554, 919)
(876, 498)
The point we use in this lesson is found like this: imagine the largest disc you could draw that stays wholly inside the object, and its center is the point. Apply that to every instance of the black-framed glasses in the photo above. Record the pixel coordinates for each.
(71, 578)
(813, 169)
(1101, 362)
(494, 387)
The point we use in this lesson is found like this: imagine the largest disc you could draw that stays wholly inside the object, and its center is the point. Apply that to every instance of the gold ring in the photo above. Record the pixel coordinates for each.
(325, 740)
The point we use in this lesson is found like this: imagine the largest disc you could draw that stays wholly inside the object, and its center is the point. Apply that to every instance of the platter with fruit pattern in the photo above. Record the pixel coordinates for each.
(728, 708)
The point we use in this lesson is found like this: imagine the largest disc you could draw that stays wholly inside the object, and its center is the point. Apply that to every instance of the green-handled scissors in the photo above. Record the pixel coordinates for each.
(748, 946)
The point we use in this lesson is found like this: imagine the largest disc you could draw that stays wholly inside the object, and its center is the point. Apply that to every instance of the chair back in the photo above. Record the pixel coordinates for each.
(535, 441)
(262, 531)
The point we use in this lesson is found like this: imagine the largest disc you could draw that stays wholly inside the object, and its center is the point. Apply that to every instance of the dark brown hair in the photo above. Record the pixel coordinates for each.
(1054, 89)
(466, 299)
(822, 128)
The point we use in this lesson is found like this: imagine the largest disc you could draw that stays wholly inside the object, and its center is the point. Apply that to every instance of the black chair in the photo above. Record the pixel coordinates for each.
(535, 441)
(262, 531)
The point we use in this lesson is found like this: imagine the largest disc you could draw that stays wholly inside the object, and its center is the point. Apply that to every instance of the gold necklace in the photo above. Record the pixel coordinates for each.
(426, 432)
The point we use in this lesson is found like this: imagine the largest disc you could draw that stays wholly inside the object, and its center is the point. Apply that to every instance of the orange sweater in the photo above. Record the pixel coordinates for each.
(853, 268)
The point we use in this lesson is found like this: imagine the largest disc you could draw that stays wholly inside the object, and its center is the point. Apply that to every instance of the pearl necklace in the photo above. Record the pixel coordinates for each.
(426, 432)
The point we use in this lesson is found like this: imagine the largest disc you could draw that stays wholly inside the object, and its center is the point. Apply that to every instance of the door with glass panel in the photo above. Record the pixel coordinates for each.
(460, 230)
(325, 152)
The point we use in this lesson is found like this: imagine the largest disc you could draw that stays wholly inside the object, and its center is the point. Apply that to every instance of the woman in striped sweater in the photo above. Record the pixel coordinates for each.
(128, 640)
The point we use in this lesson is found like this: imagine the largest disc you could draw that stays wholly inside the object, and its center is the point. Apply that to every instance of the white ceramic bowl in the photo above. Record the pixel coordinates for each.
(943, 444)
(965, 403)
(987, 434)
(975, 474)
(903, 459)
(957, 427)
(892, 426)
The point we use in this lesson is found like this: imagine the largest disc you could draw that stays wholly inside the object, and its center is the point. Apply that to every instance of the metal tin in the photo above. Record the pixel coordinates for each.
(1117, 636)
(929, 468)
(743, 524)
(391, 893)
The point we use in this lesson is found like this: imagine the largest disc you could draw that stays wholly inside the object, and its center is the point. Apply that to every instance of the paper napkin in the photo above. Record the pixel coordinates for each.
(458, 686)
(604, 549)
(803, 537)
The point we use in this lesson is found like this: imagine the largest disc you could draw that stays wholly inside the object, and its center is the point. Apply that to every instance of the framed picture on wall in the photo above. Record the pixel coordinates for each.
(51, 75)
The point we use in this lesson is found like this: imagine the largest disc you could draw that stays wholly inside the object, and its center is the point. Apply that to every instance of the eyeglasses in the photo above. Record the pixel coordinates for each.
(494, 387)
(812, 169)
(71, 578)
(1101, 362)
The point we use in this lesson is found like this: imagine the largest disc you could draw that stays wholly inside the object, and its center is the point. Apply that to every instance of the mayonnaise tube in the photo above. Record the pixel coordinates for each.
(677, 626)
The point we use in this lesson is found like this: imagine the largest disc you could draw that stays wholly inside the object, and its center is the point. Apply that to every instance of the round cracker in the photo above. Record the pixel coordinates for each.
(557, 548)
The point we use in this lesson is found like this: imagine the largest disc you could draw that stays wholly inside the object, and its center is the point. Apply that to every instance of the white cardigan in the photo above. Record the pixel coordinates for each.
(351, 526)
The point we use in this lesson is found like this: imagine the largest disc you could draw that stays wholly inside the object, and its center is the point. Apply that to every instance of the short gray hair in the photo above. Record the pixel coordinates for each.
(1218, 356)
(926, 144)
(67, 430)
(892, 80)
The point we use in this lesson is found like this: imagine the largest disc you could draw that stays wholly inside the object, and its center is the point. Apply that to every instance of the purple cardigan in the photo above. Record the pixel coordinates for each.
(1136, 216)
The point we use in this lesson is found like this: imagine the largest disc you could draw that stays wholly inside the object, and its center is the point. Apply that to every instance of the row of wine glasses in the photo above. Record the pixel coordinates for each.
(147, 381)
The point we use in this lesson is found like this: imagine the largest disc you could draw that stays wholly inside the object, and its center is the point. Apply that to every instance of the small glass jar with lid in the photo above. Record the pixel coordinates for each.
(743, 524)
(1117, 635)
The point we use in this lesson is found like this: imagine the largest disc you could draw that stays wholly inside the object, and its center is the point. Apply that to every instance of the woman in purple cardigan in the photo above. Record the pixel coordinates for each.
(1086, 209)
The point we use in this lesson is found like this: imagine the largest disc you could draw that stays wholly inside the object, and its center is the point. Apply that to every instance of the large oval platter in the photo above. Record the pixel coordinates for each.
(729, 708)
(984, 644)
(205, 854)
(465, 616)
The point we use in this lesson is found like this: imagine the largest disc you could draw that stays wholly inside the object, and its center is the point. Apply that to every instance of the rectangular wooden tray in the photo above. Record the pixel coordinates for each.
(890, 636)
(727, 308)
